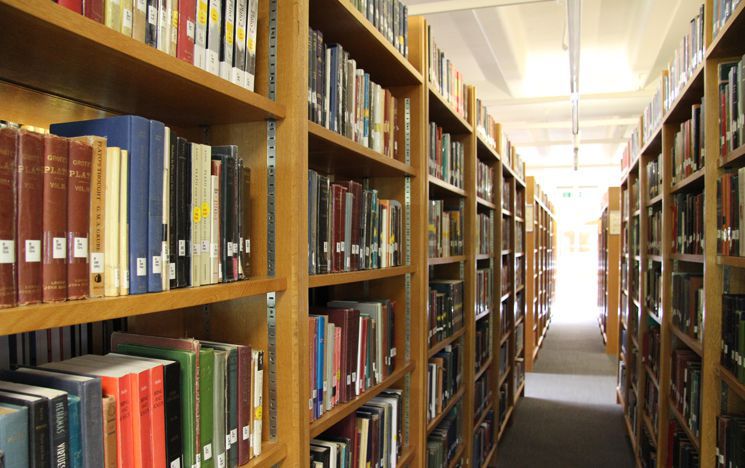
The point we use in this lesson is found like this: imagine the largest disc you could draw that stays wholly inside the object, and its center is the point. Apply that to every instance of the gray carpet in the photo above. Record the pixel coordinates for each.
(568, 417)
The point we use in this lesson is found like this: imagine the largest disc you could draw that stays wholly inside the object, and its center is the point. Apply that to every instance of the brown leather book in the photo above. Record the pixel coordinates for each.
(54, 220)
(78, 209)
(29, 226)
(8, 152)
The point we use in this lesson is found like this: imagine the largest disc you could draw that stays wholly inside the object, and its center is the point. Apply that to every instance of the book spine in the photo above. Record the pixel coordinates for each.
(258, 401)
(239, 53)
(205, 224)
(196, 215)
(94, 9)
(245, 218)
(123, 269)
(172, 405)
(109, 432)
(165, 261)
(74, 5)
(155, 207)
(200, 35)
(183, 270)
(173, 29)
(58, 418)
(186, 28)
(29, 228)
(54, 219)
(173, 211)
(244, 404)
(151, 26)
(213, 37)
(8, 191)
(215, 231)
(251, 28)
(112, 272)
(139, 19)
(78, 218)
(227, 39)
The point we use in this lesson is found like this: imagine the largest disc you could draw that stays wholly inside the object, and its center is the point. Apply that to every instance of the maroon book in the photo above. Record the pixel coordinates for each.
(74, 5)
(78, 218)
(8, 153)
(29, 227)
(94, 9)
(54, 220)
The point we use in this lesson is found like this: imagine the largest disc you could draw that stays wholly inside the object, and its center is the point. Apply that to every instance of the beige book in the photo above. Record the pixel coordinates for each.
(139, 19)
(174, 28)
(111, 220)
(127, 17)
(215, 230)
(196, 215)
(123, 226)
(113, 14)
(205, 200)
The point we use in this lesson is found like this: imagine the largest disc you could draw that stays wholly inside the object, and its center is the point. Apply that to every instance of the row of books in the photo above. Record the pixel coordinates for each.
(504, 402)
(654, 230)
(484, 181)
(369, 437)
(688, 304)
(486, 125)
(352, 348)
(506, 273)
(343, 98)
(445, 230)
(729, 208)
(654, 111)
(483, 439)
(485, 238)
(651, 345)
(686, 58)
(721, 12)
(647, 449)
(731, 106)
(350, 228)
(444, 440)
(445, 78)
(504, 356)
(444, 377)
(654, 289)
(122, 206)
(506, 236)
(733, 335)
(632, 148)
(481, 395)
(506, 195)
(654, 177)
(512, 159)
(446, 157)
(688, 223)
(197, 401)
(217, 36)
(484, 291)
(688, 151)
(651, 403)
(483, 343)
(391, 18)
(730, 437)
(444, 309)
(519, 338)
(519, 203)
(681, 451)
(685, 386)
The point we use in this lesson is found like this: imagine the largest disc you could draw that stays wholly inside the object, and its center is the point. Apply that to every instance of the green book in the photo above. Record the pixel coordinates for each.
(206, 404)
(231, 440)
(219, 407)
(188, 365)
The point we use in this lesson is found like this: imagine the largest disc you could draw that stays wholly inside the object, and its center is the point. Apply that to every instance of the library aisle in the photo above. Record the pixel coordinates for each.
(569, 416)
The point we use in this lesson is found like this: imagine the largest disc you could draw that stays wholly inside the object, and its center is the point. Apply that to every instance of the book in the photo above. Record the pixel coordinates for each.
(124, 257)
(78, 217)
(187, 10)
(154, 267)
(165, 265)
(8, 191)
(29, 229)
(39, 441)
(212, 45)
(14, 434)
(206, 406)
(54, 219)
(112, 270)
(257, 400)
(251, 35)
(109, 431)
(220, 434)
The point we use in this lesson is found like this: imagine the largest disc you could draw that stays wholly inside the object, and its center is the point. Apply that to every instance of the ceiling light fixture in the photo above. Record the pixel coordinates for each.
(573, 32)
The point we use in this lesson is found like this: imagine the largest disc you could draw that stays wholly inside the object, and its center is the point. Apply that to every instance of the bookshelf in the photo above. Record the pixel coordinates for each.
(609, 263)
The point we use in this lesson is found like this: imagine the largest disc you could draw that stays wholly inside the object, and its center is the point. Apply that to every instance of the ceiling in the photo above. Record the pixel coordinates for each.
(513, 53)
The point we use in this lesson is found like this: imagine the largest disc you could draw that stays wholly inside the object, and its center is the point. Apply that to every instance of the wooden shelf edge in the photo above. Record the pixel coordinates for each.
(506, 422)
(654, 200)
(505, 337)
(431, 425)
(486, 203)
(682, 423)
(446, 260)
(733, 261)
(505, 296)
(650, 428)
(689, 341)
(688, 181)
(690, 258)
(713, 49)
(732, 381)
(518, 392)
(481, 316)
(734, 157)
(458, 455)
(406, 457)
(446, 186)
(696, 79)
(488, 459)
(484, 367)
(272, 453)
(503, 376)
(444, 343)
(331, 279)
(483, 413)
(61, 314)
(491, 152)
(652, 376)
(462, 122)
(318, 426)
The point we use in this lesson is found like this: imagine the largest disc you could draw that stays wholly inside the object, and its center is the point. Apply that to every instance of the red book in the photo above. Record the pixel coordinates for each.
(362, 358)
(54, 220)
(8, 154)
(78, 217)
(94, 9)
(244, 404)
(186, 22)
(29, 228)
(74, 5)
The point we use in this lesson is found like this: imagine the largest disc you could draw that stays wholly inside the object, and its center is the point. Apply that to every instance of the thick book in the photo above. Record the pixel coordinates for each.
(29, 228)
(39, 441)
(200, 34)
(244, 229)
(257, 400)
(123, 263)
(220, 434)
(183, 207)
(78, 217)
(229, 200)
(131, 133)
(8, 190)
(187, 10)
(14, 435)
(195, 219)
(212, 46)
(76, 436)
(112, 271)
(206, 405)
(155, 207)
(205, 224)
(227, 35)
(216, 227)
(232, 398)
(88, 389)
(96, 215)
(56, 401)
(173, 212)
(108, 404)
(238, 73)
(54, 220)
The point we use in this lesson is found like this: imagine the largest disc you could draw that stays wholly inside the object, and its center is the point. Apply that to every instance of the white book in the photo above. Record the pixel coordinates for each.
(126, 8)
(214, 21)
(111, 223)
(239, 52)
(215, 229)
(251, 28)
(205, 199)
(167, 270)
(257, 396)
(200, 36)
(164, 26)
(228, 40)
(196, 215)
(123, 225)
(113, 14)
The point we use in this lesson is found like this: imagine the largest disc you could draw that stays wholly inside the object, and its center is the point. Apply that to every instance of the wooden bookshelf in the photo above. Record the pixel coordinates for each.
(609, 263)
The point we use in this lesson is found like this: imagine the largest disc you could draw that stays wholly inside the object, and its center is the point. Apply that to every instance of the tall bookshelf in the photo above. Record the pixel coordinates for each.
(677, 264)
(609, 263)
(98, 72)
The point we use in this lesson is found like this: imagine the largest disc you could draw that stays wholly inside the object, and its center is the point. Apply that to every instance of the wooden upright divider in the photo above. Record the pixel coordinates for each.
(609, 263)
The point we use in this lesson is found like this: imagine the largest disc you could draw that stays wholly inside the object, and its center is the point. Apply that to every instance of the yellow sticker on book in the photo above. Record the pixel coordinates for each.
(241, 34)
(250, 44)
(258, 412)
(205, 210)
(229, 33)
(202, 14)
(213, 15)
(197, 214)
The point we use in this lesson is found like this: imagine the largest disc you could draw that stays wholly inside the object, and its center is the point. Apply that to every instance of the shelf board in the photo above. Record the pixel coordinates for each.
(506, 212)
(446, 260)
(488, 459)
(689, 341)
(102, 68)
(504, 376)
(272, 453)
(682, 423)
(738, 262)
(505, 337)
(482, 315)
(520, 389)
(692, 92)
(654, 200)
(691, 183)
(458, 454)
(506, 421)
(330, 152)
(483, 256)
(654, 317)
(734, 158)
(652, 377)
(444, 115)
(630, 431)
(483, 413)
(690, 258)
(406, 457)
(650, 428)
(331, 279)
(441, 188)
(431, 425)
(654, 145)
(336, 414)
(485, 152)
(519, 218)
(729, 40)
(636, 212)
(506, 252)
(519, 320)
(341, 22)
(43, 316)
(732, 381)
(483, 368)
(654, 258)
(519, 254)
(505, 297)
(486, 203)
(444, 343)
(519, 288)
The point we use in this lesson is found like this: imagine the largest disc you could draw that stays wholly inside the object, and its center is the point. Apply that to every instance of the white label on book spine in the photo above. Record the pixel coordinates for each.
(233, 436)
(80, 247)
(205, 246)
(190, 29)
(176, 463)
(141, 266)
(125, 284)
(245, 428)
(8, 251)
(207, 452)
(195, 248)
(156, 264)
(213, 252)
(126, 18)
(97, 262)
(116, 277)
(227, 442)
(33, 252)
(172, 271)
(152, 15)
(221, 461)
(141, 5)
(59, 248)
(182, 248)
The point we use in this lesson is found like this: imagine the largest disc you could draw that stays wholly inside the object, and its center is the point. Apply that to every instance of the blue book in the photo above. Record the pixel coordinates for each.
(14, 434)
(74, 431)
(333, 77)
(88, 390)
(131, 133)
(320, 365)
(155, 234)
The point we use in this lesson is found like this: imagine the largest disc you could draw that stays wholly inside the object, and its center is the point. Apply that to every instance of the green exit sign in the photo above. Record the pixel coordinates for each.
(567, 195)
